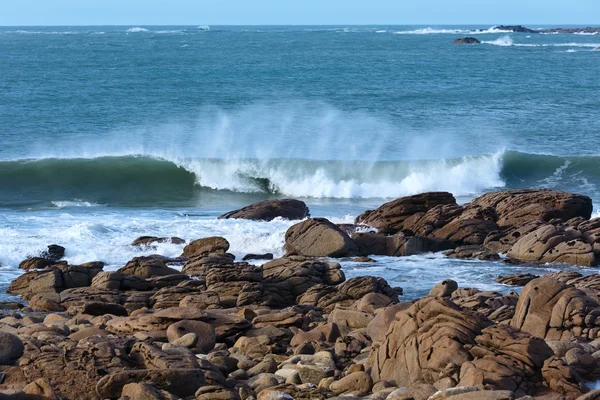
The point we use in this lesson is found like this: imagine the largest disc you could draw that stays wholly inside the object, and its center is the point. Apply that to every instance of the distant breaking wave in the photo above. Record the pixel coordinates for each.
(142, 180)
(434, 31)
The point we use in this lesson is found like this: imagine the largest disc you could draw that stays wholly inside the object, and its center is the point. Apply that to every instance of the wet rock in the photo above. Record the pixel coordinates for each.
(397, 245)
(149, 240)
(516, 279)
(473, 252)
(467, 40)
(317, 237)
(270, 209)
(36, 263)
(266, 256)
(54, 252)
(515, 28)
(205, 246)
(389, 218)
(147, 267)
(11, 348)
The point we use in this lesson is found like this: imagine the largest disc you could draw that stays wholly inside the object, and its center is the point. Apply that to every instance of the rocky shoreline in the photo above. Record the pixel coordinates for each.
(206, 326)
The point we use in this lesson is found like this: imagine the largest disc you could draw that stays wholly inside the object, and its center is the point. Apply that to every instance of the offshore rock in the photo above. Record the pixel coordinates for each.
(270, 209)
(467, 40)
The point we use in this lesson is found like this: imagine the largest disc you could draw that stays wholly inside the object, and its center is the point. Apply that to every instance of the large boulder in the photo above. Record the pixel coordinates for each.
(287, 278)
(550, 243)
(318, 237)
(389, 218)
(150, 240)
(11, 348)
(554, 310)
(270, 209)
(520, 206)
(53, 279)
(148, 267)
(205, 246)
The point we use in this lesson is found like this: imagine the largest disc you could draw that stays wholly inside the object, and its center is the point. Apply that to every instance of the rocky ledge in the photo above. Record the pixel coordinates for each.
(521, 29)
(205, 326)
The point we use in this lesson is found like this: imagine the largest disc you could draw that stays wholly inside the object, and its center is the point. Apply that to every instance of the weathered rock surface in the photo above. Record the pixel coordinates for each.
(553, 310)
(317, 237)
(390, 217)
(426, 342)
(270, 209)
(206, 246)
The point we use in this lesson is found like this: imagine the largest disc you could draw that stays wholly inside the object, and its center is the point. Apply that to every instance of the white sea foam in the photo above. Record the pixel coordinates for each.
(136, 29)
(437, 31)
(501, 41)
(204, 28)
(74, 203)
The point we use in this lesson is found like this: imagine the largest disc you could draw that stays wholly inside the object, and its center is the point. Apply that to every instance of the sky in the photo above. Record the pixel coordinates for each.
(298, 12)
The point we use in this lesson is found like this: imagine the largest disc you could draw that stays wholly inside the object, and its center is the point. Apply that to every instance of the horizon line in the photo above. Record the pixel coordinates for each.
(336, 24)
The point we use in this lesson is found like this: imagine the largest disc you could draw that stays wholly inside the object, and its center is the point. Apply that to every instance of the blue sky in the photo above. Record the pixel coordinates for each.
(283, 12)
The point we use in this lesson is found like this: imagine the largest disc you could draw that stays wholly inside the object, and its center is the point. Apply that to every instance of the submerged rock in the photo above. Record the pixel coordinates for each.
(149, 240)
(467, 40)
(270, 209)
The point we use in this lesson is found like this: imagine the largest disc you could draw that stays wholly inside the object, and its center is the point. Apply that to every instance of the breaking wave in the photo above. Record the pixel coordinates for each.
(143, 180)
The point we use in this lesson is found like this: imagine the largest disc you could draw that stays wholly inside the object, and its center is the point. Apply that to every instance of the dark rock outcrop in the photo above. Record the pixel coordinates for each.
(467, 40)
(270, 209)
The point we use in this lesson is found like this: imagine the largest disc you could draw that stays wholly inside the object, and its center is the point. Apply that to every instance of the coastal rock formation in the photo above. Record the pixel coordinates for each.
(317, 237)
(515, 28)
(206, 246)
(270, 209)
(426, 342)
(467, 40)
(389, 218)
(550, 243)
(553, 310)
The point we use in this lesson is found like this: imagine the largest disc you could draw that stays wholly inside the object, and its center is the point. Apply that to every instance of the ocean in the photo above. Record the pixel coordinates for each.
(110, 133)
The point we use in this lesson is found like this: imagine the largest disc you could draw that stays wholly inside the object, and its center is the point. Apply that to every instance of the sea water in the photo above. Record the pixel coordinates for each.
(110, 133)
